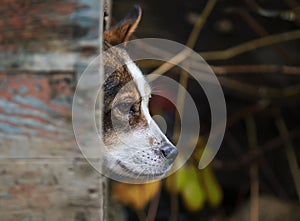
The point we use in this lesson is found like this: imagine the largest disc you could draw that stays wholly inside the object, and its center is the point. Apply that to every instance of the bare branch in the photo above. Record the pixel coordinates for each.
(250, 45)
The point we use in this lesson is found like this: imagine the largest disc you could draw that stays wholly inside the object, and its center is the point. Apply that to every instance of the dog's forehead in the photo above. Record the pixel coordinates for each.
(117, 62)
(114, 58)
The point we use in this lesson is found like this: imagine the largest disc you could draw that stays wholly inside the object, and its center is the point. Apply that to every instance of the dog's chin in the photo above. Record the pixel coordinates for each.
(134, 173)
(143, 174)
(121, 173)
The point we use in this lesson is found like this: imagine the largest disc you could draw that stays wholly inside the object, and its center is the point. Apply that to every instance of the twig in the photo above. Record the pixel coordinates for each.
(190, 42)
(248, 158)
(246, 111)
(274, 182)
(170, 64)
(266, 92)
(256, 69)
(141, 215)
(267, 171)
(200, 22)
(232, 51)
(290, 151)
(184, 75)
(174, 207)
(238, 69)
(254, 186)
(250, 45)
(152, 211)
(183, 81)
(294, 4)
(260, 30)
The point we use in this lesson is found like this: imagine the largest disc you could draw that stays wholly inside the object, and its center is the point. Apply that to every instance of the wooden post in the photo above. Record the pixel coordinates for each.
(44, 46)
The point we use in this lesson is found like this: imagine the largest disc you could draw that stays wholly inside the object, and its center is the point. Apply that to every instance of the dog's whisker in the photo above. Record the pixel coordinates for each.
(141, 172)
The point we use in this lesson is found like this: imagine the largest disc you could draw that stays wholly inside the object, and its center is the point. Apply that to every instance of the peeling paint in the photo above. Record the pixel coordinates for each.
(44, 46)
(8, 128)
(13, 108)
(23, 90)
(28, 122)
(30, 100)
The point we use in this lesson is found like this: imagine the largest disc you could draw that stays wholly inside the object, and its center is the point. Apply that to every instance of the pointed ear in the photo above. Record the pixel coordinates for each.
(121, 32)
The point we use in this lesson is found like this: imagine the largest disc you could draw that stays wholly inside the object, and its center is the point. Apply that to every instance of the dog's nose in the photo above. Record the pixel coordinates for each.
(169, 151)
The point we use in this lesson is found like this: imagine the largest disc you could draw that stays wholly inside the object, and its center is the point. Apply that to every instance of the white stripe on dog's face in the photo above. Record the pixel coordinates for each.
(143, 88)
(137, 77)
(145, 93)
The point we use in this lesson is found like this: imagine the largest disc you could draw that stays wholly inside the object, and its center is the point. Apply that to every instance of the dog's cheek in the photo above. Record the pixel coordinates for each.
(138, 122)
(151, 141)
(120, 122)
(107, 125)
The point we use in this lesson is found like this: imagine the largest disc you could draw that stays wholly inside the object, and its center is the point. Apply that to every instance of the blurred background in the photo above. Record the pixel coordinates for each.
(252, 46)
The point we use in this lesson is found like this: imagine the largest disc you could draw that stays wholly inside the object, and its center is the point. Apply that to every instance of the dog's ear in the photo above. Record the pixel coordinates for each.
(121, 32)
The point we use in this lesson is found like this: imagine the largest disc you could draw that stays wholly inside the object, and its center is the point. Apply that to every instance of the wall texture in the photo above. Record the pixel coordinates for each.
(44, 46)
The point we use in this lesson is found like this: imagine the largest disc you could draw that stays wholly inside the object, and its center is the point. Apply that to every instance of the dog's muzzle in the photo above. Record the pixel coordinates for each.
(169, 152)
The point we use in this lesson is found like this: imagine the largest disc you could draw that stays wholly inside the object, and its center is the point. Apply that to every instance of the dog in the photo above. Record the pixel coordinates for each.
(136, 148)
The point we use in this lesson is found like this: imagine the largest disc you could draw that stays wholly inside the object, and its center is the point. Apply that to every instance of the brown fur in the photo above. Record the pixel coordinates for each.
(122, 31)
(136, 147)
(119, 83)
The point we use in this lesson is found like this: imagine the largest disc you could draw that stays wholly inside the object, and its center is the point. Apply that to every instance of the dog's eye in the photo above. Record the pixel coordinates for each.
(125, 107)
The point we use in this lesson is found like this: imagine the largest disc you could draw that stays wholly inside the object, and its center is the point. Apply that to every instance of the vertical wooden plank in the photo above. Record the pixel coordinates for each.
(44, 46)
(103, 182)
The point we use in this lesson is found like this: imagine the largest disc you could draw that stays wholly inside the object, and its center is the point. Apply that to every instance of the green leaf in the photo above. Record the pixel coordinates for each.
(193, 193)
(212, 187)
(177, 181)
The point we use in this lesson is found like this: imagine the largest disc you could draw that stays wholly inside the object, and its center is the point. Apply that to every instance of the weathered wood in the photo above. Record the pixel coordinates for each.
(44, 47)
(48, 35)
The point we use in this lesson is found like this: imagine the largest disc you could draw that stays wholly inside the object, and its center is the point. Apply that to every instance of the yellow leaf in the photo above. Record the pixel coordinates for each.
(212, 187)
(135, 195)
(193, 193)
(171, 183)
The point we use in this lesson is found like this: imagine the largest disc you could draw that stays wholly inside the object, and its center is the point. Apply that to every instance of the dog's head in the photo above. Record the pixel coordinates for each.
(136, 147)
